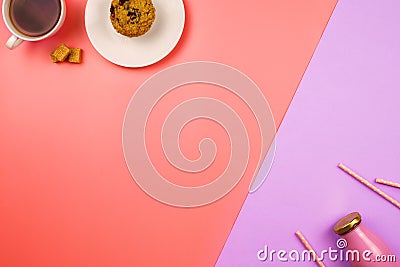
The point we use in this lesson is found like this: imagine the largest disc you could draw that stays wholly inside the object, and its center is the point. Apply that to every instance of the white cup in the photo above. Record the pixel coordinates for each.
(18, 37)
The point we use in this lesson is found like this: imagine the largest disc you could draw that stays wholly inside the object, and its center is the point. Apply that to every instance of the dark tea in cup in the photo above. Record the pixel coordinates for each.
(34, 17)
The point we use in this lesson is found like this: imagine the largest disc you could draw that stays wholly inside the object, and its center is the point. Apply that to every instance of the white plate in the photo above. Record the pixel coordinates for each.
(135, 52)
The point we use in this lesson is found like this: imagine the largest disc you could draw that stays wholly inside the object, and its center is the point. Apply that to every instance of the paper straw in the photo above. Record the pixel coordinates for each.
(386, 182)
(309, 248)
(369, 185)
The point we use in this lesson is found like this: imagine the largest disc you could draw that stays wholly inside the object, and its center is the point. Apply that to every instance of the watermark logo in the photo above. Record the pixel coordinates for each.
(338, 254)
(341, 243)
(147, 172)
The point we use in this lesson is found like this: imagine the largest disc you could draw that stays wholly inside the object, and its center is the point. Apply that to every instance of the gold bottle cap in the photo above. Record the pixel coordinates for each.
(347, 223)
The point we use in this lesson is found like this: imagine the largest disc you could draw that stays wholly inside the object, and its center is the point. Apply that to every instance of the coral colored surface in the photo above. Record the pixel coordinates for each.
(66, 196)
(346, 109)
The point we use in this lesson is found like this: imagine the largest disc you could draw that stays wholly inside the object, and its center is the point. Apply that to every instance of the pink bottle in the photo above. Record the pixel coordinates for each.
(363, 247)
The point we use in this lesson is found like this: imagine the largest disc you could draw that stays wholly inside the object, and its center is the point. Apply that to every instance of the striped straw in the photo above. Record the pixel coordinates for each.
(307, 245)
(386, 182)
(369, 185)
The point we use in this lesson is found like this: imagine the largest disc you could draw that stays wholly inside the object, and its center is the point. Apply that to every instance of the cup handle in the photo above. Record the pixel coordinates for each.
(13, 42)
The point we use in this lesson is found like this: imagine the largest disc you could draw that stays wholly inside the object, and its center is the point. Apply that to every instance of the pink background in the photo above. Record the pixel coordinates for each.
(66, 196)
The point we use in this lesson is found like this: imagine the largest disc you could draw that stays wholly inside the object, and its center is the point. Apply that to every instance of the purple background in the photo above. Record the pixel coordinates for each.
(345, 110)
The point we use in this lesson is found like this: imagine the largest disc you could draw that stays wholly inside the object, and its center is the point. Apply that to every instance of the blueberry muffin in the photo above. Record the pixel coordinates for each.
(132, 18)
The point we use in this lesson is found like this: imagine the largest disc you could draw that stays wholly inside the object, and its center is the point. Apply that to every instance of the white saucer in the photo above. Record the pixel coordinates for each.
(135, 52)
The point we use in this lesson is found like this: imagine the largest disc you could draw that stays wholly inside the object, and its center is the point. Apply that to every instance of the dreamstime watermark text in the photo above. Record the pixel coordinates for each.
(331, 254)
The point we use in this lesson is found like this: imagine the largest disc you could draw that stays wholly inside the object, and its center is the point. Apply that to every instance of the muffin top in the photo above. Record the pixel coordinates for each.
(132, 18)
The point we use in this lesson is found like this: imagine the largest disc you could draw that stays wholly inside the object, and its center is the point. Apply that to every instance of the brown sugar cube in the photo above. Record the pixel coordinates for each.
(75, 55)
(60, 54)
(53, 57)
